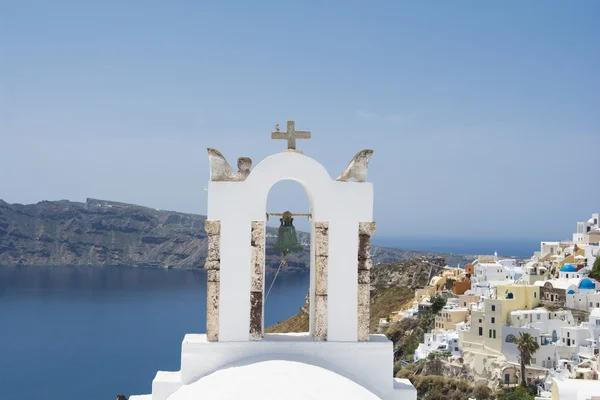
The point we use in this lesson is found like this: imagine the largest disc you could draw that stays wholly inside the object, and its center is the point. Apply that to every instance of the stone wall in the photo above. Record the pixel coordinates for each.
(365, 230)
(552, 295)
(321, 262)
(257, 284)
(213, 269)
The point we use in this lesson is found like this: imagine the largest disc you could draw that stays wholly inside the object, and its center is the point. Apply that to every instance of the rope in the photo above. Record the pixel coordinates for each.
(277, 273)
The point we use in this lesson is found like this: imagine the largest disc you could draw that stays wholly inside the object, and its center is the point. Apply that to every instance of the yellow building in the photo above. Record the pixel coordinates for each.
(487, 321)
(447, 319)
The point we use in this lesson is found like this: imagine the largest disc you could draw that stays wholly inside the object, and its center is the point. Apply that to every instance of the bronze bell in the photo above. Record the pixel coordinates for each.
(287, 241)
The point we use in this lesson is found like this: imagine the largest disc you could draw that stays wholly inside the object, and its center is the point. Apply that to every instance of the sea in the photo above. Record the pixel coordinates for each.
(90, 333)
(73, 333)
(506, 247)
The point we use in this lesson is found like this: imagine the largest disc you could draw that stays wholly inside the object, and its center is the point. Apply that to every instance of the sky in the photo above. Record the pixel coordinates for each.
(484, 117)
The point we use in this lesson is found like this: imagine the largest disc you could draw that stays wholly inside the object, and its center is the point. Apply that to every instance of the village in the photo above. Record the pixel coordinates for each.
(502, 314)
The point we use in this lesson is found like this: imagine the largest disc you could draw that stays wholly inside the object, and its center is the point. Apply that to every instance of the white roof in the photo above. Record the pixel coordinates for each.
(595, 312)
(575, 389)
(276, 379)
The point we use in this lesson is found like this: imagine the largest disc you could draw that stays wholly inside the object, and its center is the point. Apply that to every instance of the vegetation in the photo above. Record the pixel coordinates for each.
(519, 393)
(435, 387)
(296, 323)
(406, 336)
(437, 303)
(595, 273)
(527, 346)
(449, 283)
(385, 301)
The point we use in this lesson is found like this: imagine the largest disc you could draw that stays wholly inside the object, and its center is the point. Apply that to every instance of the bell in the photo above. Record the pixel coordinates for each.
(287, 241)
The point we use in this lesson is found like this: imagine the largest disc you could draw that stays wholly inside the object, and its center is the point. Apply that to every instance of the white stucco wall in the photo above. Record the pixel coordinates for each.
(342, 204)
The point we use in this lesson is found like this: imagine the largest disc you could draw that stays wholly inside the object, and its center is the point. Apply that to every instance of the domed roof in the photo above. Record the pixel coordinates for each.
(568, 268)
(276, 379)
(587, 284)
(571, 291)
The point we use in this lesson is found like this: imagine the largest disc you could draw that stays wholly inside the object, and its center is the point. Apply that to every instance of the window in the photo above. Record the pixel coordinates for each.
(598, 322)
(493, 308)
(539, 316)
(493, 320)
(533, 360)
(494, 334)
(568, 334)
(490, 333)
(481, 332)
(456, 349)
(591, 304)
(535, 295)
(479, 320)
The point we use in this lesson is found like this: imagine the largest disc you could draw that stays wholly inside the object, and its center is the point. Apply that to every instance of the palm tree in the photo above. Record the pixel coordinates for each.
(527, 346)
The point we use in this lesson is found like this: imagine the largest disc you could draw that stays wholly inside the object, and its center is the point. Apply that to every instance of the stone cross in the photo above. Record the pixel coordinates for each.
(291, 134)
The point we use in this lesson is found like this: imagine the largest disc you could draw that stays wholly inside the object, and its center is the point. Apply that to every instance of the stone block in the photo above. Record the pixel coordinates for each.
(364, 276)
(256, 315)
(365, 264)
(364, 247)
(321, 275)
(214, 248)
(212, 264)
(213, 275)
(212, 311)
(320, 329)
(212, 228)
(257, 237)
(364, 294)
(321, 238)
(366, 228)
(322, 226)
(364, 311)
(257, 256)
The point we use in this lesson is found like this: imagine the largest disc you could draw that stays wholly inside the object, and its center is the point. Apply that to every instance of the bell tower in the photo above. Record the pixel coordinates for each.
(341, 225)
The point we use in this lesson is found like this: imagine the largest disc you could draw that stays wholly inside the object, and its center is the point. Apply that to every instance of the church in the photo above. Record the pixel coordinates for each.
(337, 357)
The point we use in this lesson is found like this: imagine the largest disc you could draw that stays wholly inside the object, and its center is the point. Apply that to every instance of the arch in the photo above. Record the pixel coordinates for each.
(510, 338)
(338, 206)
(306, 248)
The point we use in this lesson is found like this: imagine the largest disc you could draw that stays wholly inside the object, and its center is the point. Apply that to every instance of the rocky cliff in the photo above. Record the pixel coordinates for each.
(413, 273)
(100, 232)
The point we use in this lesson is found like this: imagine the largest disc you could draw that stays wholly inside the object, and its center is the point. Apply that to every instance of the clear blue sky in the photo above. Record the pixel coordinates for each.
(484, 118)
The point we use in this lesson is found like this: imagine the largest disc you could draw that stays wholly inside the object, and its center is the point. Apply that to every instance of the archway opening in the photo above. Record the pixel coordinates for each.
(287, 284)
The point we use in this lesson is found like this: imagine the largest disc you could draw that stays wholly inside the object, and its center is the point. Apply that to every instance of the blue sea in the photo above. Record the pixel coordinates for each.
(506, 247)
(89, 333)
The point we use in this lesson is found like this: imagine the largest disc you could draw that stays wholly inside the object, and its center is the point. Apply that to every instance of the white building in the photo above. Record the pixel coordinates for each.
(546, 327)
(591, 253)
(438, 342)
(584, 229)
(575, 389)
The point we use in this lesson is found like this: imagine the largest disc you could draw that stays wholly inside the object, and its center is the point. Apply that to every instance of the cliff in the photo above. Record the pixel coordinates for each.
(100, 232)
(392, 288)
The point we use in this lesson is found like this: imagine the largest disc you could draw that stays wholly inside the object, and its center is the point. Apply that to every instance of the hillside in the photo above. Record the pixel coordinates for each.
(100, 232)
(392, 288)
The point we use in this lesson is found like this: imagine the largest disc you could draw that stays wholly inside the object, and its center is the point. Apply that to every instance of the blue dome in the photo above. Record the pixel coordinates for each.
(571, 291)
(586, 284)
(568, 268)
